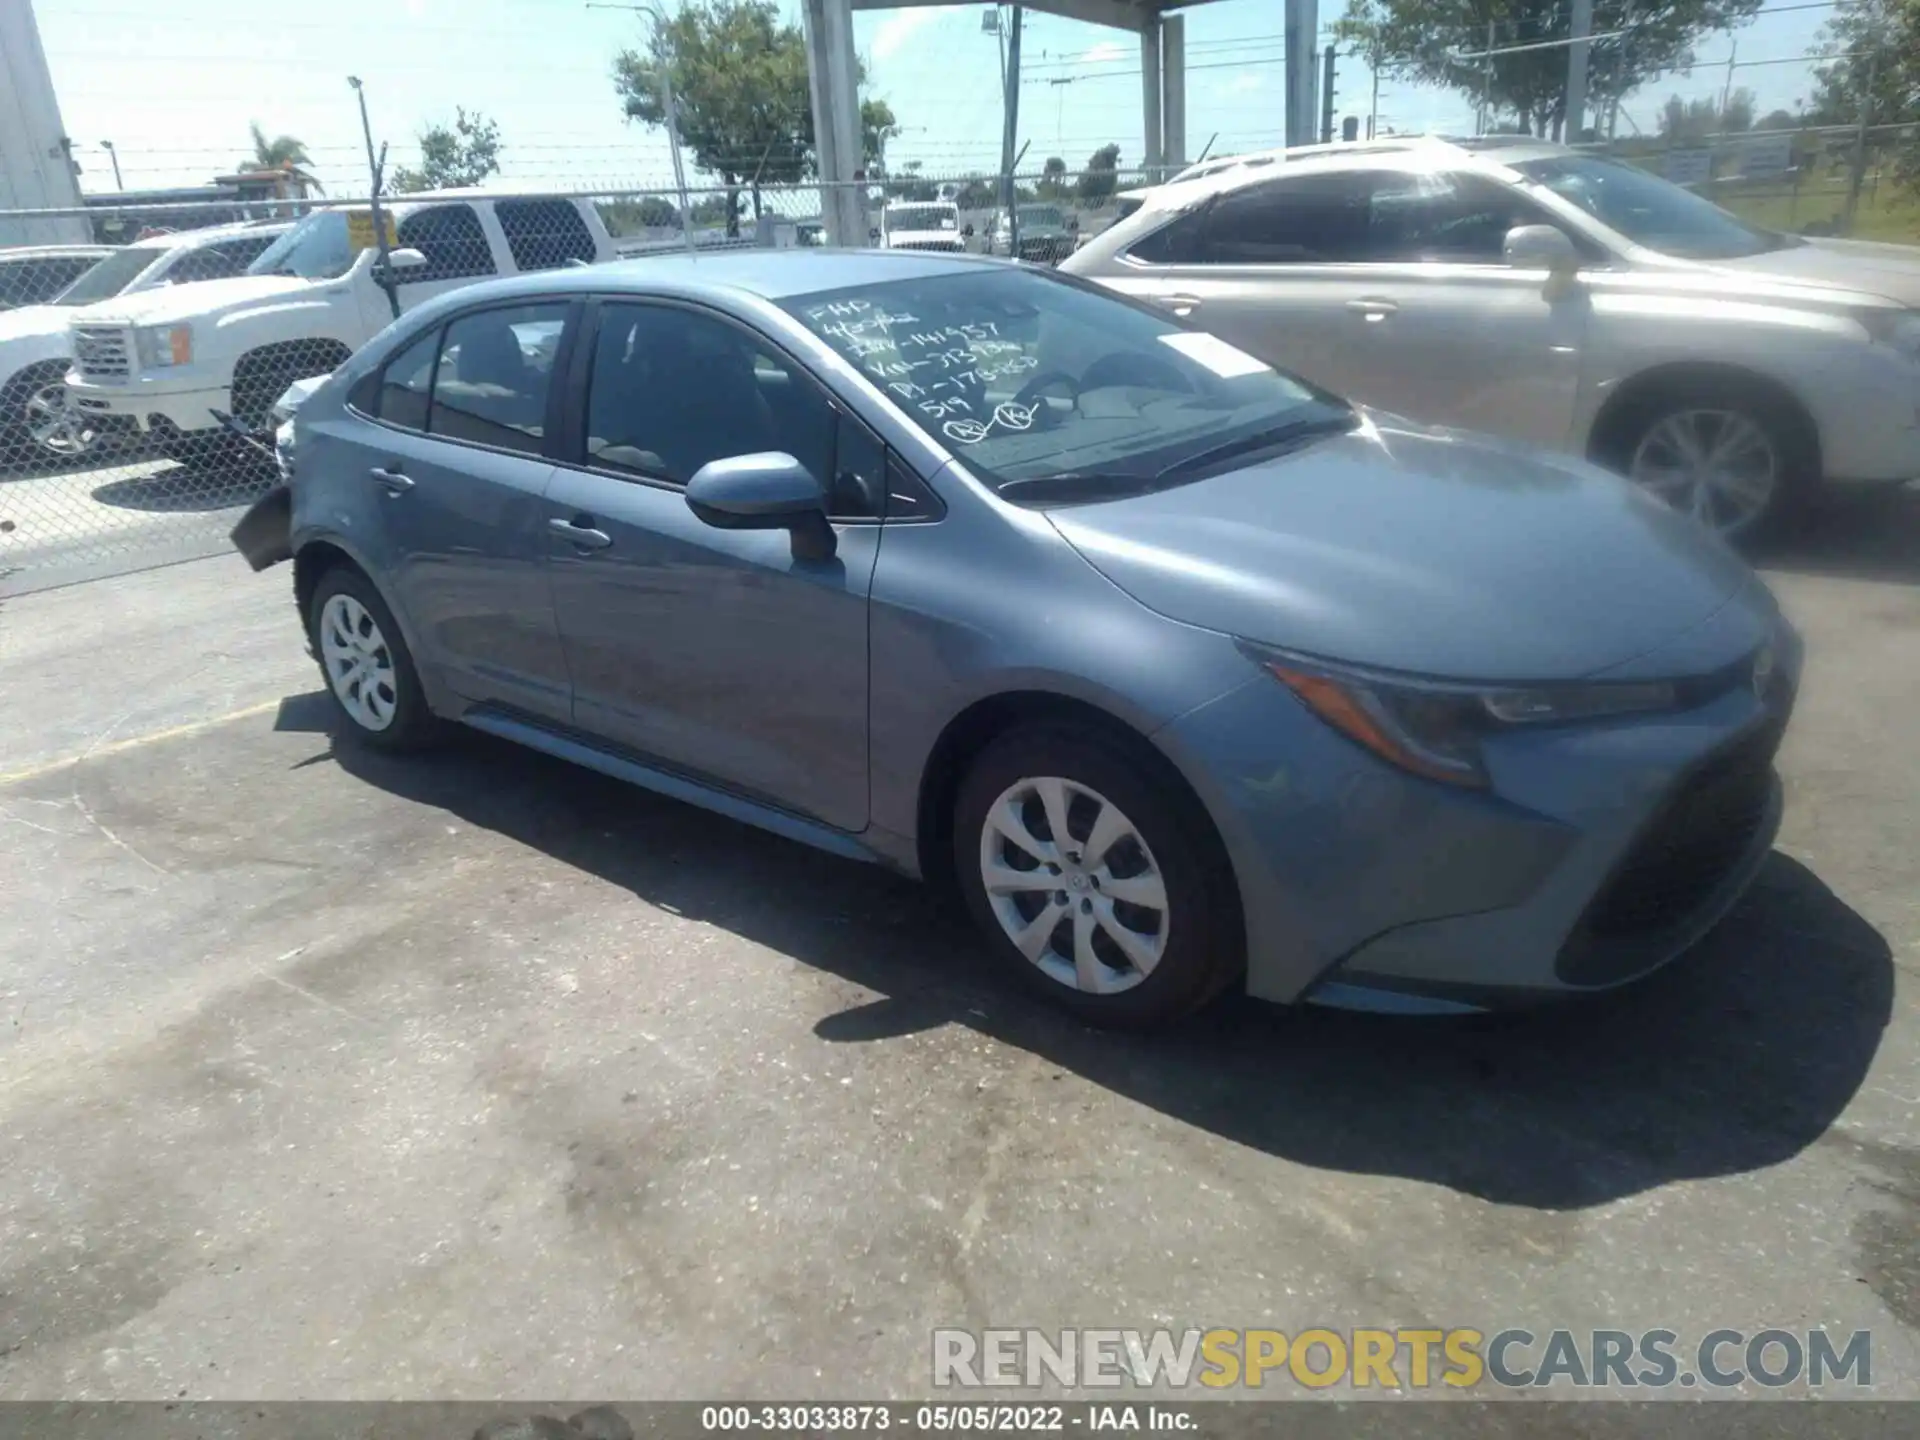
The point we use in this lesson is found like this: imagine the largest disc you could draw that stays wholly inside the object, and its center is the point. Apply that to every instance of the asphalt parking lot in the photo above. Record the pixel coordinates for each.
(324, 1075)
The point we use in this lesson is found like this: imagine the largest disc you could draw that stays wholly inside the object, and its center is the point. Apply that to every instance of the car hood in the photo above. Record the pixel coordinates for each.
(33, 322)
(1401, 547)
(1859, 265)
(202, 300)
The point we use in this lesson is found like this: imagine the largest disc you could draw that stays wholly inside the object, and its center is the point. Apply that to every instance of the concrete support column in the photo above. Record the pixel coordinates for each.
(834, 85)
(1303, 70)
(1150, 97)
(1173, 92)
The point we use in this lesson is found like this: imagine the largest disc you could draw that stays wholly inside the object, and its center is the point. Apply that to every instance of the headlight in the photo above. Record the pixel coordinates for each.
(283, 450)
(162, 345)
(1898, 328)
(1436, 729)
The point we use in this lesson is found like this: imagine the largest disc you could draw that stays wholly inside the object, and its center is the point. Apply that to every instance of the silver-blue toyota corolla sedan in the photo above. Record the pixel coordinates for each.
(1184, 673)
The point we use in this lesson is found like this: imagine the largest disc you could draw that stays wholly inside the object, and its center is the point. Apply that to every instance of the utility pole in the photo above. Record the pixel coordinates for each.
(1576, 120)
(377, 168)
(1326, 96)
(1373, 110)
(107, 145)
(1859, 166)
(1010, 103)
(1486, 86)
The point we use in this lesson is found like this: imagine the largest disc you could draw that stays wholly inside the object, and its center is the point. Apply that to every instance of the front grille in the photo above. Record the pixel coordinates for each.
(101, 352)
(949, 246)
(1698, 837)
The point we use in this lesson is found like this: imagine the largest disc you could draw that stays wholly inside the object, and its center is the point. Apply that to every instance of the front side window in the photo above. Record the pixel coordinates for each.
(490, 385)
(318, 248)
(544, 234)
(1433, 216)
(1650, 211)
(452, 240)
(1050, 391)
(112, 275)
(673, 388)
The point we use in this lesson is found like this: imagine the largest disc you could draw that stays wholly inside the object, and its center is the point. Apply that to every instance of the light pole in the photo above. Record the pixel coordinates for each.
(375, 167)
(663, 64)
(107, 145)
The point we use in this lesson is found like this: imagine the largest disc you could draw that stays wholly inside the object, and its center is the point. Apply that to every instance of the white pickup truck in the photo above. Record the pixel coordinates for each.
(164, 363)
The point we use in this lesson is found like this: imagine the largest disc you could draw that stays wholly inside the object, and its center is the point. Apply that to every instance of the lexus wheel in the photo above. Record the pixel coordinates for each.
(1096, 877)
(368, 670)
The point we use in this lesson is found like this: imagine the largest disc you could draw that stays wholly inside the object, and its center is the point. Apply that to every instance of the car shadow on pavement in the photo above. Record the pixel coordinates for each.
(180, 488)
(1870, 535)
(1736, 1057)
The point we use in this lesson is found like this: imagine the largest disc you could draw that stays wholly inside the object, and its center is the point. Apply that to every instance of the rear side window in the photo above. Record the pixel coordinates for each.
(1300, 221)
(491, 382)
(452, 240)
(544, 234)
(406, 385)
(33, 282)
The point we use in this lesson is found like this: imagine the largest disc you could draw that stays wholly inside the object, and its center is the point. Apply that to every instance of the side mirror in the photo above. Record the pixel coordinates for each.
(1541, 247)
(767, 490)
(398, 262)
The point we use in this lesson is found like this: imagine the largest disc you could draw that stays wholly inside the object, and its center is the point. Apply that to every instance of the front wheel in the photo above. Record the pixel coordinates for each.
(40, 425)
(1095, 877)
(368, 670)
(1715, 453)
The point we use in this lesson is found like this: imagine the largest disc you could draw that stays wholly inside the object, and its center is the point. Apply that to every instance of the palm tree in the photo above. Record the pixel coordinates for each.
(282, 152)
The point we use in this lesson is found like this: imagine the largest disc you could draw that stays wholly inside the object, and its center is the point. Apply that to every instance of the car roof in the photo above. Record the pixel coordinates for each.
(209, 234)
(766, 274)
(51, 252)
(1232, 172)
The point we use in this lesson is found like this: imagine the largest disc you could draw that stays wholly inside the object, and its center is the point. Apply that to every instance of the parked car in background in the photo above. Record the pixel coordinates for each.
(1554, 296)
(921, 225)
(161, 365)
(1046, 234)
(1185, 673)
(36, 423)
(34, 274)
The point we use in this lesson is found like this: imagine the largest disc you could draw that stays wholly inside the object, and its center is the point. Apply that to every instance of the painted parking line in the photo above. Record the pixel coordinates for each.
(135, 742)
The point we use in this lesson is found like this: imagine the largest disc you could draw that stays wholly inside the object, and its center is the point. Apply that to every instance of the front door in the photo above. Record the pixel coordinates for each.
(456, 463)
(716, 652)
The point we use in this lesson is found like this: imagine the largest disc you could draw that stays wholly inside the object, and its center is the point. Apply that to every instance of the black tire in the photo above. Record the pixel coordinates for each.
(19, 451)
(262, 376)
(1787, 431)
(1204, 934)
(412, 726)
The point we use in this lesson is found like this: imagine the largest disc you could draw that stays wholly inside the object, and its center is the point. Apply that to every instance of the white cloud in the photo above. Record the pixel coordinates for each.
(898, 28)
(1105, 53)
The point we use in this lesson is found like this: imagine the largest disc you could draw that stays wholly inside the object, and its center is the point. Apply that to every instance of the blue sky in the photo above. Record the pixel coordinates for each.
(175, 86)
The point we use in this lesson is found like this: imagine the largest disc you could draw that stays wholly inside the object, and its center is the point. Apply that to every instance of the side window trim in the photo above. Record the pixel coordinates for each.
(376, 380)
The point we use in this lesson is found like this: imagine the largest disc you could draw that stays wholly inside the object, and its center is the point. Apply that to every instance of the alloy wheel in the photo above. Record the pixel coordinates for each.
(1074, 885)
(1715, 465)
(54, 424)
(358, 663)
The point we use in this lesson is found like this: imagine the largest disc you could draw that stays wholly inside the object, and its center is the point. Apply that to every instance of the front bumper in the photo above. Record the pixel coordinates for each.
(165, 405)
(1600, 852)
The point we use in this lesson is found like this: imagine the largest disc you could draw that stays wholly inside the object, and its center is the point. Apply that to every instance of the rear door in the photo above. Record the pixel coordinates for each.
(457, 249)
(717, 652)
(456, 453)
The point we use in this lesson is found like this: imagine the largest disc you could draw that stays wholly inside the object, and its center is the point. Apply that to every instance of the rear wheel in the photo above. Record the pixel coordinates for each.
(1095, 878)
(368, 670)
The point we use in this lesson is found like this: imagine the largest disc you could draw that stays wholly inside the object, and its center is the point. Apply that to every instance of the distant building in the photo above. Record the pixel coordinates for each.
(36, 157)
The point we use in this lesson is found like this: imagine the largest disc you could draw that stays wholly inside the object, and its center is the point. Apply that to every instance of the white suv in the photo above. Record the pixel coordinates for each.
(164, 364)
(1554, 296)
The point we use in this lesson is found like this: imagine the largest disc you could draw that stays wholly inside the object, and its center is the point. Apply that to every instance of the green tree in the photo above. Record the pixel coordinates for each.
(282, 152)
(1053, 178)
(464, 153)
(1877, 75)
(1098, 180)
(629, 217)
(739, 75)
(1688, 121)
(1422, 41)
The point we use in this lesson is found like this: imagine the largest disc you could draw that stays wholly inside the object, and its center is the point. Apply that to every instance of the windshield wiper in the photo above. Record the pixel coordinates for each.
(1328, 422)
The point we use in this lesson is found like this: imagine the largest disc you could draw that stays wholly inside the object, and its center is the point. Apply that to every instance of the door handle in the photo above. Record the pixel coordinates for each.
(1182, 305)
(393, 480)
(1372, 310)
(580, 533)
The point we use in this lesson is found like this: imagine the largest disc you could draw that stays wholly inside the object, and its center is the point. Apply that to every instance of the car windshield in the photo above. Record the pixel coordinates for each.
(318, 248)
(1650, 211)
(1041, 215)
(111, 275)
(921, 217)
(1053, 392)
